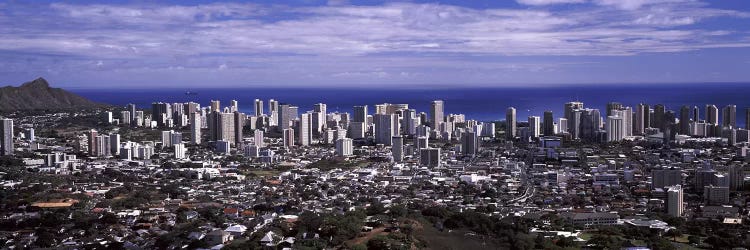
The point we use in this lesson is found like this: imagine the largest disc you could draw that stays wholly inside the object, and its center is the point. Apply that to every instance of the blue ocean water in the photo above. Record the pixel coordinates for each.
(485, 104)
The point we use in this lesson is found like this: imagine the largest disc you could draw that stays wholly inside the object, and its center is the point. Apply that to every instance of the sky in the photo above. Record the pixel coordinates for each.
(308, 43)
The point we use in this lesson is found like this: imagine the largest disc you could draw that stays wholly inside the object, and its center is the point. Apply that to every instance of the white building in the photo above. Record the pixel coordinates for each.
(344, 147)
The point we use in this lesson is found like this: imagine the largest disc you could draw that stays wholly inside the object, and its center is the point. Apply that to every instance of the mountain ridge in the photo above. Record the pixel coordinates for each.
(37, 94)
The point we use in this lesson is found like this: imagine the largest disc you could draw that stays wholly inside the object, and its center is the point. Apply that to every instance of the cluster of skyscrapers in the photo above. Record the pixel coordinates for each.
(621, 122)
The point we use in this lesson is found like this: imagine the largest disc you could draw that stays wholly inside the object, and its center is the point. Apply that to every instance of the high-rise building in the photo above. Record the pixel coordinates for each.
(360, 114)
(131, 109)
(696, 114)
(344, 147)
(258, 138)
(613, 106)
(685, 120)
(7, 139)
(422, 142)
(221, 126)
(234, 106)
(747, 118)
(273, 111)
(410, 121)
(562, 125)
(215, 106)
(305, 129)
(114, 143)
(729, 116)
(661, 178)
(195, 128)
(397, 148)
(384, 129)
(160, 112)
(286, 115)
(357, 130)
(736, 177)
(92, 140)
(534, 126)
(258, 107)
(548, 124)
(125, 117)
(179, 151)
(569, 108)
(288, 137)
(469, 143)
(239, 124)
(589, 124)
(659, 117)
(429, 157)
(436, 113)
(715, 195)
(712, 114)
(510, 123)
(675, 204)
(615, 128)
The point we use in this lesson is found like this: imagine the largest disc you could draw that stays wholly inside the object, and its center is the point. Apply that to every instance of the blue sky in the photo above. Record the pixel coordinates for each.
(136, 44)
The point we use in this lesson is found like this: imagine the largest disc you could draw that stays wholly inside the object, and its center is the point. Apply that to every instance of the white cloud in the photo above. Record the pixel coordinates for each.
(397, 37)
(548, 2)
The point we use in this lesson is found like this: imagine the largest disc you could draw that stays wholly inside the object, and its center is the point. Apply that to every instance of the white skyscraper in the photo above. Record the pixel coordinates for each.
(195, 128)
(305, 129)
(615, 128)
(273, 111)
(675, 205)
(436, 113)
(535, 126)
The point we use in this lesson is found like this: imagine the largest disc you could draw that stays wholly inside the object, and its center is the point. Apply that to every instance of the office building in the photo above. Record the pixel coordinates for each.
(114, 144)
(684, 120)
(469, 143)
(715, 195)
(436, 113)
(661, 178)
(305, 129)
(615, 128)
(548, 124)
(384, 128)
(659, 117)
(180, 151)
(568, 111)
(288, 137)
(397, 148)
(534, 126)
(675, 204)
(258, 138)
(429, 157)
(215, 106)
(195, 128)
(273, 112)
(712, 114)
(729, 116)
(344, 147)
(7, 139)
(510, 123)
(239, 123)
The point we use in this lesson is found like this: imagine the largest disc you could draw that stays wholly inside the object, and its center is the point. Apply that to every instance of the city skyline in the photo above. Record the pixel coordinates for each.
(191, 44)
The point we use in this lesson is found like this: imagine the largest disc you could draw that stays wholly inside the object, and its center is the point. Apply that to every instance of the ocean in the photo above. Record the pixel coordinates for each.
(484, 104)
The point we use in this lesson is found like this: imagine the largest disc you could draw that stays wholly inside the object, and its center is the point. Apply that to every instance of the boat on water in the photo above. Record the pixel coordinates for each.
(191, 93)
